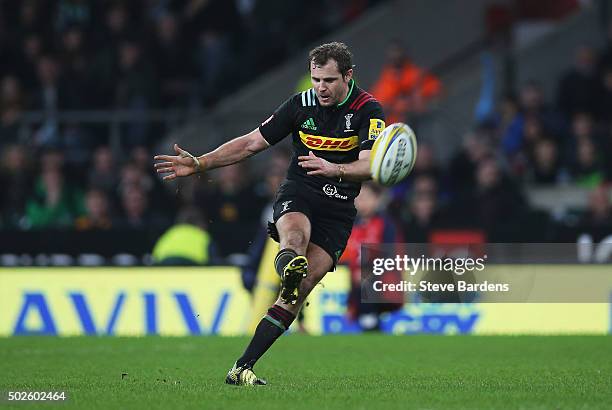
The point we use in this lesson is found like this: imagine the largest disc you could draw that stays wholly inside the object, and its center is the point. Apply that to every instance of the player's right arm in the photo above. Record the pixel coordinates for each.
(184, 163)
(268, 133)
(234, 151)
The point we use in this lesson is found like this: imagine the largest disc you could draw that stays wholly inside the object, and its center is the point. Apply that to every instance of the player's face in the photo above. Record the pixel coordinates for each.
(329, 84)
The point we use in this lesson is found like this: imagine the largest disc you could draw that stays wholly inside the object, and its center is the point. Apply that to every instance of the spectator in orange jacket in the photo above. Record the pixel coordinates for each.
(402, 86)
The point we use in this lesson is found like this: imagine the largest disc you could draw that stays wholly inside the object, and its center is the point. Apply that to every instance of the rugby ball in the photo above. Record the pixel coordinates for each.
(393, 154)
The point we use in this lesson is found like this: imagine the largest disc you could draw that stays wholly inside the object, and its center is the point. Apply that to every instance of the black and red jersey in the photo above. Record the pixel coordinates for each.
(335, 133)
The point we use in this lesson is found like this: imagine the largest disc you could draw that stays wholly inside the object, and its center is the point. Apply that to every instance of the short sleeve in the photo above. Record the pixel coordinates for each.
(280, 124)
(372, 125)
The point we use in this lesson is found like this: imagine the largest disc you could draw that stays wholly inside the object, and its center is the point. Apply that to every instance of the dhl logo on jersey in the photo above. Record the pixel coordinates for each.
(322, 143)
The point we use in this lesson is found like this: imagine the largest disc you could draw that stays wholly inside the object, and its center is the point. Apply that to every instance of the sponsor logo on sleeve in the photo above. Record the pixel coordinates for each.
(376, 127)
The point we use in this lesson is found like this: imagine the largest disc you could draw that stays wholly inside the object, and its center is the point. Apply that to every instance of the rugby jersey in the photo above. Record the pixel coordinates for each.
(335, 133)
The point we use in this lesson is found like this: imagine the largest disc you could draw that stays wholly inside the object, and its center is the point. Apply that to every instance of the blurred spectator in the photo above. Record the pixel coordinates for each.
(533, 132)
(371, 226)
(276, 169)
(33, 17)
(50, 95)
(211, 58)
(587, 170)
(97, 212)
(484, 112)
(115, 26)
(402, 86)
(522, 161)
(52, 159)
(102, 175)
(425, 184)
(138, 172)
(25, 65)
(16, 183)
(54, 203)
(134, 177)
(75, 67)
(104, 68)
(578, 89)
(462, 171)
(606, 149)
(76, 143)
(185, 243)
(599, 213)
(545, 168)
(233, 209)
(605, 60)
(425, 165)
(173, 64)
(11, 105)
(582, 128)
(136, 211)
(604, 103)
(495, 201)
(531, 105)
(420, 219)
(135, 207)
(135, 90)
(508, 110)
(206, 21)
(141, 158)
(72, 12)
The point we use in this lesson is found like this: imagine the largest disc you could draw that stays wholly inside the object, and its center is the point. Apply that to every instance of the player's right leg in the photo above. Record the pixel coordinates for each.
(293, 229)
(291, 263)
(320, 262)
(277, 320)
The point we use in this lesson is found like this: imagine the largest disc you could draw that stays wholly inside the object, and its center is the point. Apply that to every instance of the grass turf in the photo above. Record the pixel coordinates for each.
(332, 372)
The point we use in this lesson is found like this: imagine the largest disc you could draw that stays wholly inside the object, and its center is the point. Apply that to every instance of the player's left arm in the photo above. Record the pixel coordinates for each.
(353, 171)
(358, 171)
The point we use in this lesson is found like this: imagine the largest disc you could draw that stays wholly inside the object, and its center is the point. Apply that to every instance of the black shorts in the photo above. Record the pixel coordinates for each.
(331, 219)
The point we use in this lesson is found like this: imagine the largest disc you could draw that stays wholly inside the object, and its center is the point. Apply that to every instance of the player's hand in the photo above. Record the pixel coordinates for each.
(318, 166)
(181, 165)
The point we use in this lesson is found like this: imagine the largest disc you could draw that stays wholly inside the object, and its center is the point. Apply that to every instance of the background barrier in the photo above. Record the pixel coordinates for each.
(212, 301)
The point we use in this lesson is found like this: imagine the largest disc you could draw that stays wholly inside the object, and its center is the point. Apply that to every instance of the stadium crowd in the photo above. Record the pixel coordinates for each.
(136, 55)
(75, 54)
(521, 141)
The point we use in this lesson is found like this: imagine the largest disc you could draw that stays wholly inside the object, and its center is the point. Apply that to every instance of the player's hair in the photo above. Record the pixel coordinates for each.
(337, 51)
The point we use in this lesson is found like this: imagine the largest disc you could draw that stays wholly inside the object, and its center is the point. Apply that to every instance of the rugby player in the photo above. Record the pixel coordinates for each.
(333, 127)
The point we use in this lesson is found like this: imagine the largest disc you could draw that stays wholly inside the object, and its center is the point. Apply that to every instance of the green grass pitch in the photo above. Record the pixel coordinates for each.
(304, 372)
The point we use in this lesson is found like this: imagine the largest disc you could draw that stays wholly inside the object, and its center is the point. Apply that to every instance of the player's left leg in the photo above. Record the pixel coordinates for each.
(278, 319)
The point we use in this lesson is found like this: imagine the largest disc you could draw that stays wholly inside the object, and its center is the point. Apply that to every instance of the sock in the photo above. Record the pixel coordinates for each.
(268, 330)
(283, 257)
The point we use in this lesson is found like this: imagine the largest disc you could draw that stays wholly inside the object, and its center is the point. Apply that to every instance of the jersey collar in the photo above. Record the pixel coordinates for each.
(348, 95)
